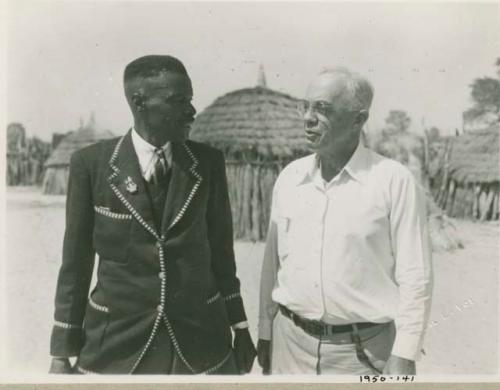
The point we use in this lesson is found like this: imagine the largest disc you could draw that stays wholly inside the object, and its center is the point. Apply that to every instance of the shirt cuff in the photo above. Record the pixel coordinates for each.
(240, 325)
(265, 329)
(407, 346)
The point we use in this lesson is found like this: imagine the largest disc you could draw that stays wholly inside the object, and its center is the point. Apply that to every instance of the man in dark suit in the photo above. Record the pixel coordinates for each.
(154, 207)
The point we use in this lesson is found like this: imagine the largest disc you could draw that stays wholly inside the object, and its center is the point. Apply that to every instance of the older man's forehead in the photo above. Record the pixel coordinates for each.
(326, 87)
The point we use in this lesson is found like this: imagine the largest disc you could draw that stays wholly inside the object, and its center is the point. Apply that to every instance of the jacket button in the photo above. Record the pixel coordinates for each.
(158, 245)
(161, 275)
(159, 308)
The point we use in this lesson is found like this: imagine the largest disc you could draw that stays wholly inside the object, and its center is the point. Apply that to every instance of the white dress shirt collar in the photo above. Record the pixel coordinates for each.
(356, 167)
(358, 164)
(146, 153)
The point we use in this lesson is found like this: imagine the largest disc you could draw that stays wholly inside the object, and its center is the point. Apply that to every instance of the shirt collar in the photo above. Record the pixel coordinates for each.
(145, 151)
(357, 164)
(355, 167)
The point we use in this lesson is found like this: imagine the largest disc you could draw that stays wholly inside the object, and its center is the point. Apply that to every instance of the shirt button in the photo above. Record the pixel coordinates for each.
(159, 308)
(161, 275)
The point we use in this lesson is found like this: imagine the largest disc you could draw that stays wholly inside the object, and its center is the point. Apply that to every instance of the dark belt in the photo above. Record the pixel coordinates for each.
(318, 328)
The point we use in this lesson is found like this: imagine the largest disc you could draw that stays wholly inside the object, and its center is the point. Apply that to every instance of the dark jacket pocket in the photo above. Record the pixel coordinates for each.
(95, 325)
(112, 234)
(213, 298)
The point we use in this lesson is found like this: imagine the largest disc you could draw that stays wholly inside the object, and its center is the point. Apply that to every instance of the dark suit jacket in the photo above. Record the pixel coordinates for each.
(182, 277)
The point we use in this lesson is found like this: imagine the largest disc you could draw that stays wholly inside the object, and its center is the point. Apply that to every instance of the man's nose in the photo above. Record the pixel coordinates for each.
(190, 110)
(310, 116)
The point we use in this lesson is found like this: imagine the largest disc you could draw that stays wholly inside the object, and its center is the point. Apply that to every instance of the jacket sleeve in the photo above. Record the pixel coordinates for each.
(220, 235)
(77, 263)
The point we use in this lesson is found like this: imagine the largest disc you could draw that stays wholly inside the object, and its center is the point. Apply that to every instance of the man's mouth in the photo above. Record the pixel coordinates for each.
(312, 136)
(187, 122)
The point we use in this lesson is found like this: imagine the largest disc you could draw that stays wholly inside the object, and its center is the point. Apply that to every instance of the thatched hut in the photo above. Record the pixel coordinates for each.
(466, 176)
(259, 131)
(55, 181)
(473, 122)
(25, 157)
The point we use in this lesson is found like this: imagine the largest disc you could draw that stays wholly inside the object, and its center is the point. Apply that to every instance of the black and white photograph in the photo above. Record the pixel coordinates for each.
(251, 191)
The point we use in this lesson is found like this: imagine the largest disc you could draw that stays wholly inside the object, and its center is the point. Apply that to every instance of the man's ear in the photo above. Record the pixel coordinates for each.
(361, 118)
(138, 100)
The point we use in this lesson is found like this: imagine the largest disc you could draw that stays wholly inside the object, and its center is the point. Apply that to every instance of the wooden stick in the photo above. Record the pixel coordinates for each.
(475, 202)
(485, 213)
(256, 209)
(444, 183)
(448, 206)
(494, 212)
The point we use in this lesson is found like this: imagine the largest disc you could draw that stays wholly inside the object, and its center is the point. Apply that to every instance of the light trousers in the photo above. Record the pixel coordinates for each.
(296, 352)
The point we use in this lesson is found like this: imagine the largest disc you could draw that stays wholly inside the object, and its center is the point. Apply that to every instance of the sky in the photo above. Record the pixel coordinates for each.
(65, 59)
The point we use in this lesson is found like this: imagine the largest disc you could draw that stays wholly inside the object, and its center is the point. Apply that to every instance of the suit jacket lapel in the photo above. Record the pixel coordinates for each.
(127, 183)
(183, 185)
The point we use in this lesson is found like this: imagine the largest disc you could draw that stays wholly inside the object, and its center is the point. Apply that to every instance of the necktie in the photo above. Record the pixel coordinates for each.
(160, 167)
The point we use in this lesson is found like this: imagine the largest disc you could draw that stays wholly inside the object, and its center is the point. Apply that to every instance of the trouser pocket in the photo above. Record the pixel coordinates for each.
(373, 350)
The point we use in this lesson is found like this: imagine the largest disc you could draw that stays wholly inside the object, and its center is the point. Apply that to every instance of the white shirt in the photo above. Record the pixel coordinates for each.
(356, 249)
(146, 154)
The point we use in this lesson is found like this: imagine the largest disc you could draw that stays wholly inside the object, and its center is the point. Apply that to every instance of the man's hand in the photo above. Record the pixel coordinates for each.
(60, 366)
(398, 366)
(264, 355)
(244, 350)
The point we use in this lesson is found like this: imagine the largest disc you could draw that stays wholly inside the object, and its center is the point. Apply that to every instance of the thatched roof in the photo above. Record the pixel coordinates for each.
(252, 122)
(474, 157)
(84, 136)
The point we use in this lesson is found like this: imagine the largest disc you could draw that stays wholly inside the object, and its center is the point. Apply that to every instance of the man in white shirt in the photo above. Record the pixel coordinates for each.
(346, 278)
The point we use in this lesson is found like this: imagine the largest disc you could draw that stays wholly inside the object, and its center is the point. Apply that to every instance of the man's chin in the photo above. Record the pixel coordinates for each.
(180, 135)
(312, 145)
(179, 139)
(185, 129)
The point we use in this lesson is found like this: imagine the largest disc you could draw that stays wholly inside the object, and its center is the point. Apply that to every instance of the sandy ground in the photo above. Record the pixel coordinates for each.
(462, 336)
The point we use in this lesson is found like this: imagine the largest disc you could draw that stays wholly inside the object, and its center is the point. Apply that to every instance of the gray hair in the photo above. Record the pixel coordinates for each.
(360, 90)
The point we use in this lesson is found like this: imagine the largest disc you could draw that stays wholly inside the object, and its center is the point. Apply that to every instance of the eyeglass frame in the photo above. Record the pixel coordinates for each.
(317, 106)
(310, 105)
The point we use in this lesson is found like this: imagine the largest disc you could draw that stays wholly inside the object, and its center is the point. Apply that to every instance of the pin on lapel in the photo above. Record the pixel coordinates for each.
(130, 185)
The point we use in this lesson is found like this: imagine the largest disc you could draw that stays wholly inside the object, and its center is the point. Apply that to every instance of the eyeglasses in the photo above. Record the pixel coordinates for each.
(318, 106)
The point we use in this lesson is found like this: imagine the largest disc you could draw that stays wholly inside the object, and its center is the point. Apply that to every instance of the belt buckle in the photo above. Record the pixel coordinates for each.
(319, 328)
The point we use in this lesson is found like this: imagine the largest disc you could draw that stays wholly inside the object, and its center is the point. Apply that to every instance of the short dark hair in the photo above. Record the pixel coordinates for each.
(152, 65)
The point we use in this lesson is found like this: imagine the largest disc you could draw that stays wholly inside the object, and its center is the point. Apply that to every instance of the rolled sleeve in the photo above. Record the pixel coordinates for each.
(413, 271)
